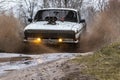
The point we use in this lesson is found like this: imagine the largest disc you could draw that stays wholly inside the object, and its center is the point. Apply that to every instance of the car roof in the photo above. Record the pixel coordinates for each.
(60, 9)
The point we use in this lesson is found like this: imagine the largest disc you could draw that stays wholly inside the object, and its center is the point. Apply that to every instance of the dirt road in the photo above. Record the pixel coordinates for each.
(59, 69)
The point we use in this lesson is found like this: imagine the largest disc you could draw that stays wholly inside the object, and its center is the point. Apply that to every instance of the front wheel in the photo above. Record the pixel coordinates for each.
(74, 47)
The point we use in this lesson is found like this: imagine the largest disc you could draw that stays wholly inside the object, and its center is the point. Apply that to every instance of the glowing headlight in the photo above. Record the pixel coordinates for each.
(60, 40)
(37, 40)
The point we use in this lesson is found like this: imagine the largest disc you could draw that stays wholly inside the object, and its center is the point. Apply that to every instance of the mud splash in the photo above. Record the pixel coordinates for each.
(104, 29)
(10, 33)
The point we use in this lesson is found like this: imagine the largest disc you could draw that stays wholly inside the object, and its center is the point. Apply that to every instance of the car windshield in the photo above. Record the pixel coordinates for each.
(61, 15)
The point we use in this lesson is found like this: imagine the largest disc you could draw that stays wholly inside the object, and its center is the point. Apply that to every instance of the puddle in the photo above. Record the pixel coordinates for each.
(10, 70)
(11, 62)
(14, 59)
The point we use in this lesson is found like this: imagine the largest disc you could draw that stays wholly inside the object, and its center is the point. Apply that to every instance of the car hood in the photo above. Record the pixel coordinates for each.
(58, 26)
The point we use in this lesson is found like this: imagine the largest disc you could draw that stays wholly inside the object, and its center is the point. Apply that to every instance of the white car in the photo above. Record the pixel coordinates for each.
(55, 25)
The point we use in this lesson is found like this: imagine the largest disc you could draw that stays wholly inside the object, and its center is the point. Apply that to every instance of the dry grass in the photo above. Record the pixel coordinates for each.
(10, 35)
(104, 64)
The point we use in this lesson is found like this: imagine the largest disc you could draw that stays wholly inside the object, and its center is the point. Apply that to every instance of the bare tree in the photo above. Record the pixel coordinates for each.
(66, 1)
(46, 3)
(76, 4)
(101, 5)
(2, 1)
(60, 4)
(1, 6)
(63, 3)
(27, 9)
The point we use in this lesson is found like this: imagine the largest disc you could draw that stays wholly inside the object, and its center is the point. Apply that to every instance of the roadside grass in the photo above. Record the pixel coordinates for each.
(104, 64)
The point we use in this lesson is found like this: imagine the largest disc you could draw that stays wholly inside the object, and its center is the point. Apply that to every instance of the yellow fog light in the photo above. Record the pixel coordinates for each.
(60, 40)
(37, 40)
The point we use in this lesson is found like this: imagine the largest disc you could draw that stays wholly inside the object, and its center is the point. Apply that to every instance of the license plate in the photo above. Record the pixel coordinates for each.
(50, 41)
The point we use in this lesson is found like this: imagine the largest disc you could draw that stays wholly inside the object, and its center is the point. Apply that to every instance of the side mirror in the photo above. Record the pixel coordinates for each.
(82, 21)
(30, 20)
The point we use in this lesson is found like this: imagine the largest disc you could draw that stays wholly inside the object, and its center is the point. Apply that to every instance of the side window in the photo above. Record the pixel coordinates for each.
(71, 16)
(38, 16)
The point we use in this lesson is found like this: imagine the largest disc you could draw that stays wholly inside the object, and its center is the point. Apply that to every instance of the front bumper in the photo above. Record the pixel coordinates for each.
(50, 41)
(50, 36)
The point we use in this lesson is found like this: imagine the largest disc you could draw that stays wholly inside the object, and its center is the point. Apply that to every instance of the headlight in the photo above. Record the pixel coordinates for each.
(60, 40)
(37, 40)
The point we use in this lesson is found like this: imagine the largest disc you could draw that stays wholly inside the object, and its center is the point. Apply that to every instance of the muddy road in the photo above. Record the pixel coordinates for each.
(41, 67)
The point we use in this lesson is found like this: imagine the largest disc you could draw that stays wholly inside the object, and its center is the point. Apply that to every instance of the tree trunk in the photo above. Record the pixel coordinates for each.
(66, 1)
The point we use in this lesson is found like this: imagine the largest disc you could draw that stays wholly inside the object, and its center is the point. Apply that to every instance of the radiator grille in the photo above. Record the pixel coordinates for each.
(50, 34)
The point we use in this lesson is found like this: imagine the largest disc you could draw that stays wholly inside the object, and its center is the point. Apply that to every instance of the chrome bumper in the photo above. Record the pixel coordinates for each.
(49, 41)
